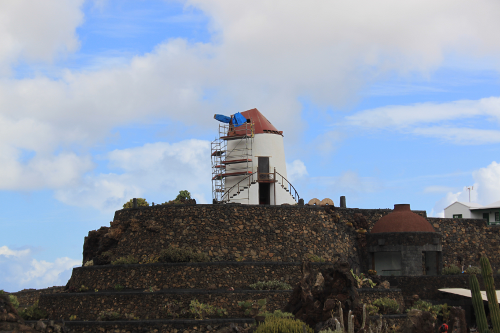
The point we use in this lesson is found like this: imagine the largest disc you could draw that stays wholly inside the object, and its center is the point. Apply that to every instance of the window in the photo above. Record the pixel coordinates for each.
(457, 216)
(497, 216)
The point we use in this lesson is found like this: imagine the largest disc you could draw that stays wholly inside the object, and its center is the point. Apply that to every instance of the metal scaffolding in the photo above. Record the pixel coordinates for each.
(236, 161)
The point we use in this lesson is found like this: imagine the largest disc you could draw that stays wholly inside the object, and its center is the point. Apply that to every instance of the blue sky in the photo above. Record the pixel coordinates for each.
(105, 100)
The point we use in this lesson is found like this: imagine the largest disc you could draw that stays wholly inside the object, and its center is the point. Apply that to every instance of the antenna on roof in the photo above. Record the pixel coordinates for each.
(469, 188)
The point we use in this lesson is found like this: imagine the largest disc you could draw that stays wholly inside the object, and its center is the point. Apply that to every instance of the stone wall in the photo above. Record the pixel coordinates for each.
(155, 305)
(236, 232)
(211, 275)
(28, 297)
(466, 240)
(275, 233)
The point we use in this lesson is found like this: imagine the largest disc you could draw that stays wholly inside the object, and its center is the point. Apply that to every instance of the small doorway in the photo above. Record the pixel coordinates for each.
(264, 193)
(263, 168)
(264, 181)
(486, 216)
(430, 261)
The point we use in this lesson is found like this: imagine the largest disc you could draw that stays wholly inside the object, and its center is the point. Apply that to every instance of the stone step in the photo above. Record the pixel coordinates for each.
(160, 325)
(163, 304)
(202, 275)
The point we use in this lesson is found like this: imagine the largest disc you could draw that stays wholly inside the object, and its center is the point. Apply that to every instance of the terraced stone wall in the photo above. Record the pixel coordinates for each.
(211, 275)
(29, 297)
(155, 305)
(237, 232)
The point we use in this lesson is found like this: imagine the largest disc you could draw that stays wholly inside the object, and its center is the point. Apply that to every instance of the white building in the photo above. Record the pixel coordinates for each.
(248, 164)
(491, 213)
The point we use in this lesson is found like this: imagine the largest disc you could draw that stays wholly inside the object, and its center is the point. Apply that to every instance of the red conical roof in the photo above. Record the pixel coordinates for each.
(261, 124)
(402, 219)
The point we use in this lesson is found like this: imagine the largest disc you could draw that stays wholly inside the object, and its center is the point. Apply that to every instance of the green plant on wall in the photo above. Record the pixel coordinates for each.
(271, 285)
(33, 313)
(253, 308)
(201, 310)
(274, 324)
(183, 195)
(140, 202)
(451, 270)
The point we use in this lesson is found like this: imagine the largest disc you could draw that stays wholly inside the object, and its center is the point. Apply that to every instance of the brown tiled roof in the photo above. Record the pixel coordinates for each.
(402, 219)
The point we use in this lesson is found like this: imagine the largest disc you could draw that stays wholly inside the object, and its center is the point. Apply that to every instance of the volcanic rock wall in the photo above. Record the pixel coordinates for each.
(273, 233)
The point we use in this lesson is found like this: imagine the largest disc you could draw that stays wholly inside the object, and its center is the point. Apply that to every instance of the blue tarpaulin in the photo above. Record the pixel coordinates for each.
(238, 119)
(222, 118)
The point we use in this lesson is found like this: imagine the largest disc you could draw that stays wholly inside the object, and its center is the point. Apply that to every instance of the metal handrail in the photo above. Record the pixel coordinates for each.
(236, 185)
(296, 196)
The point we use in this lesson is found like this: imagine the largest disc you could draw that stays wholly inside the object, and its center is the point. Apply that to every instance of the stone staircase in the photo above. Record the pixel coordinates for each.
(156, 297)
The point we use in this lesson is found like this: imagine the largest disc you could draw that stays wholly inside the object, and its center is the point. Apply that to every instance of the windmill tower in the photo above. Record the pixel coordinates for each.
(248, 163)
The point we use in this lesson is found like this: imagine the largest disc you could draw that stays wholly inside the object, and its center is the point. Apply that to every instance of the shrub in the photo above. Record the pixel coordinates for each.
(172, 254)
(140, 202)
(451, 270)
(279, 314)
(83, 289)
(180, 199)
(201, 310)
(183, 195)
(435, 310)
(271, 285)
(253, 308)
(108, 316)
(130, 259)
(151, 259)
(89, 263)
(315, 258)
(473, 270)
(372, 309)
(282, 325)
(386, 305)
(13, 300)
(33, 313)
(118, 287)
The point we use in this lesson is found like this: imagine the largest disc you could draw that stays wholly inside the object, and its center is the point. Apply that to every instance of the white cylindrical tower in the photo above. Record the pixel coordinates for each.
(254, 165)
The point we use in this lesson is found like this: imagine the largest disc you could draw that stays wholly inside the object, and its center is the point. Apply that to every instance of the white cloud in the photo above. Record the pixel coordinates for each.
(37, 30)
(5, 251)
(296, 170)
(417, 118)
(325, 51)
(488, 180)
(159, 169)
(404, 116)
(19, 270)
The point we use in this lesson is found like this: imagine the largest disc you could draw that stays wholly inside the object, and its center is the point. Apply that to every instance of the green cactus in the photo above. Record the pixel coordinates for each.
(489, 283)
(477, 302)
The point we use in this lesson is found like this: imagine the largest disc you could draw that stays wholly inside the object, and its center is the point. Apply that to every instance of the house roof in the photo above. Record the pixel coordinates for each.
(470, 205)
(402, 219)
(261, 124)
(496, 204)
